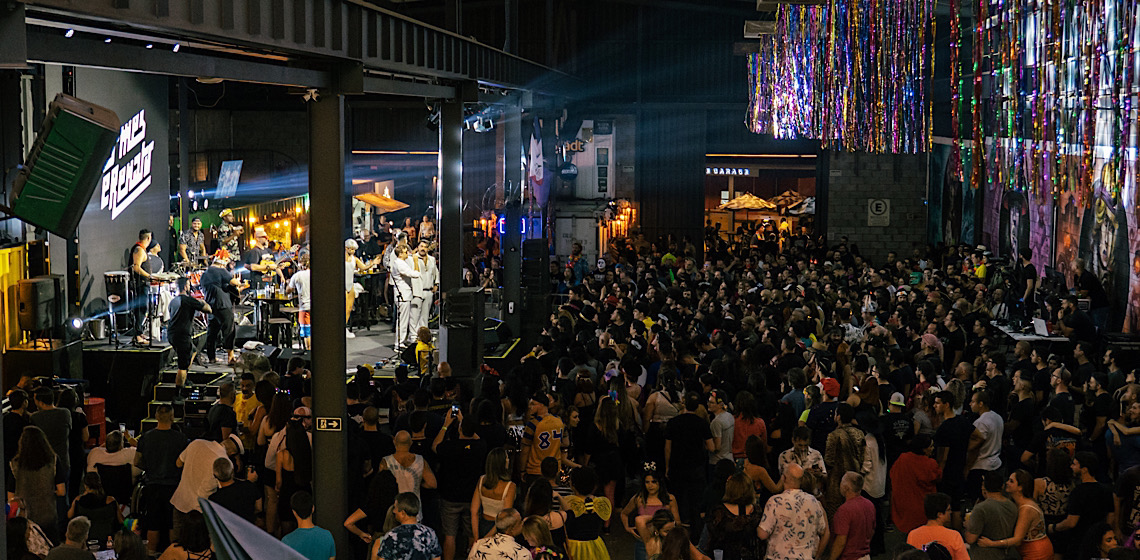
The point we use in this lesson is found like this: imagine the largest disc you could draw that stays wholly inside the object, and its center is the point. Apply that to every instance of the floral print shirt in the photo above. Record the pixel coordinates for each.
(794, 521)
(410, 542)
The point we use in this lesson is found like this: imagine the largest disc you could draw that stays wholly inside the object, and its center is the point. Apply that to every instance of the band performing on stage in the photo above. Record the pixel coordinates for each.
(220, 285)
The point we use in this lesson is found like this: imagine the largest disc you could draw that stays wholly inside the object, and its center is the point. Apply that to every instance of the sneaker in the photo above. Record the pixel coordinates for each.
(349, 334)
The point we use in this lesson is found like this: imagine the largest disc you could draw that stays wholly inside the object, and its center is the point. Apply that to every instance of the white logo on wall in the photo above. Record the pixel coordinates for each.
(127, 172)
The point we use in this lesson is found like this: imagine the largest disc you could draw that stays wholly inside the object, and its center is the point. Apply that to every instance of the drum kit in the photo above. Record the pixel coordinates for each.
(161, 289)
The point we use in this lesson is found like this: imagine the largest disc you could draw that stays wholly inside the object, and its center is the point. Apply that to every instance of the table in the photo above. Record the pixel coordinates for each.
(272, 305)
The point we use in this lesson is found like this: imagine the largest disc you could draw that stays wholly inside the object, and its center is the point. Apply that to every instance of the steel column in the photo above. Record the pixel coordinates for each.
(326, 189)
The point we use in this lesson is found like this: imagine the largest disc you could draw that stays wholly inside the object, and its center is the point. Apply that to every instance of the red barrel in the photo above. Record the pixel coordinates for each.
(94, 407)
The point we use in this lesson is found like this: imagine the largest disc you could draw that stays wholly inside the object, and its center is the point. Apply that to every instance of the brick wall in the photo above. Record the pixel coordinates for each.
(857, 178)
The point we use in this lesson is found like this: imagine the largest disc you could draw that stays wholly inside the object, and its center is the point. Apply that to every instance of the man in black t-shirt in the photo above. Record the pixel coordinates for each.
(221, 420)
(1087, 285)
(157, 455)
(1076, 324)
(461, 461)
(259, 260)
(1027, 288)
(217, 285)
(688, 440)
(1089, 503)
(239, 496)
(182, 310)
(952, 440)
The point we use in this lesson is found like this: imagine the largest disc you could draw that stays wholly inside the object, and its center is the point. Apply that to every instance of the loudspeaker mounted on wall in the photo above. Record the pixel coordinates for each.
(53, 187)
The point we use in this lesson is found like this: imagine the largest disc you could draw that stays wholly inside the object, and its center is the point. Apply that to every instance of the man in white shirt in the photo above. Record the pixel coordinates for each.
(424, 287)
(984, 451)
(197, 464)
(402, 274)
(722, 426)
(502, 545)
(300, 284)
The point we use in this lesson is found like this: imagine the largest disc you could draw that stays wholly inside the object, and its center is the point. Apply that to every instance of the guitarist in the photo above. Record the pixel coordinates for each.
(259, 260)
(217, 285)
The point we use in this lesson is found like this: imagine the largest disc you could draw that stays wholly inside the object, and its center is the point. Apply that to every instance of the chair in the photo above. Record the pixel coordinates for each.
(118, 481)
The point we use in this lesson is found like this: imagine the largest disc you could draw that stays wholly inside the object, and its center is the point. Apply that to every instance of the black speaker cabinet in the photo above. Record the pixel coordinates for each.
(36, 304)
(464, 307)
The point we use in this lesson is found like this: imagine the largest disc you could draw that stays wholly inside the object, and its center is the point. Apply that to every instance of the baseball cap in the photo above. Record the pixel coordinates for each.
(830, 387)
(898, 399)
(224, 213)
(237, 442)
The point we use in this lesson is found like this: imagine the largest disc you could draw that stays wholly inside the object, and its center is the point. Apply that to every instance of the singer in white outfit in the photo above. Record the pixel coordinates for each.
(403, 275)
(423, 288)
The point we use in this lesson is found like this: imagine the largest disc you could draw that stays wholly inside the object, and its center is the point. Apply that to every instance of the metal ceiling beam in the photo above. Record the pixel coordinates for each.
(53, 48)
(314, 31)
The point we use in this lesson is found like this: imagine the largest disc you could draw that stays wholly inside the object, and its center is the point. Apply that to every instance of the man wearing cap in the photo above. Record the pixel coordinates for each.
(228, 233)
(821, 417)
(900, 427)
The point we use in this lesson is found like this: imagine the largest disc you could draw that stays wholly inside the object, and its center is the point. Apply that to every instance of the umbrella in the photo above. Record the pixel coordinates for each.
(806, 206)
(383, 203)
(747, 201)
(235, 538)
(788, 198)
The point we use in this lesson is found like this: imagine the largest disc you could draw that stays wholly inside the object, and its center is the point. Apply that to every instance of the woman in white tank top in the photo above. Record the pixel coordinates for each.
(494, 493)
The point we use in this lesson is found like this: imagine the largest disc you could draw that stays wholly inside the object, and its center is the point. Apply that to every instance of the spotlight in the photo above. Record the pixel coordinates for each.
(191, 193)
(75, 325)
(177, 46)
(107, 40)
(69, 33)
(206, 204)
(150, 45)
(483, 124)
(194, 206)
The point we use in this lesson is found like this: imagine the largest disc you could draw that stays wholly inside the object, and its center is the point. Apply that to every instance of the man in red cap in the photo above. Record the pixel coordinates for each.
(821, 417)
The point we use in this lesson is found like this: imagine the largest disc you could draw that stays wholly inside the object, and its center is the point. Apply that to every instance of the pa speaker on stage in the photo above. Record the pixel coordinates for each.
(53, 187)
(37, 303)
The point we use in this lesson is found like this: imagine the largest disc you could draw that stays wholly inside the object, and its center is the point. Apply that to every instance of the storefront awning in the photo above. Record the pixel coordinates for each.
(383, 203)
(747, 201)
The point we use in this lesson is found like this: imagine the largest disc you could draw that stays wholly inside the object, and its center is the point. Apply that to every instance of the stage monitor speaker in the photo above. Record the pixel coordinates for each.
(464, 307)
(495, 332)
(37, 304)
(53, 187)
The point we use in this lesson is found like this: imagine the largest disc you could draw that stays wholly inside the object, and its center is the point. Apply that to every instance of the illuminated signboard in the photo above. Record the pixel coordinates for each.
(127, 172)
(745, 171)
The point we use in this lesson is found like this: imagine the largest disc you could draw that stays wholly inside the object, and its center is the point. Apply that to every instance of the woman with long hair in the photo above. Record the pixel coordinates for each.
(1029, 533)
(652, 498)
(102, 510)
(757, 469)
(268, 444)
(1098, 542)
(662, 405)
(39, 480)
(77, 438)
(748, 423)
(494, 493)
(536, 531)
(539, 502)
(732, 524)
(129, 546)
(605, 454)
(193, 541)
(294, 465)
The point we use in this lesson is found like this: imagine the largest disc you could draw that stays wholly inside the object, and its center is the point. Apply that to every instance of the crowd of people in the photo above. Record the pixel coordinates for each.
(774, 400)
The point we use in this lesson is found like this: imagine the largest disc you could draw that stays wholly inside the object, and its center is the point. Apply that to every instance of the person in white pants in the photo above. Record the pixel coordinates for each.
(424, 287)
(402, 275)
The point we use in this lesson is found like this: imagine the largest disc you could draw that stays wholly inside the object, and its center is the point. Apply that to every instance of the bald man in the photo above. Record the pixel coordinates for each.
(410, 469)
(788, 515)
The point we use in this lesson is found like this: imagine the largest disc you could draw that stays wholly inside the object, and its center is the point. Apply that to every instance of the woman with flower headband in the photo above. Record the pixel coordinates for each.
(652, 498)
